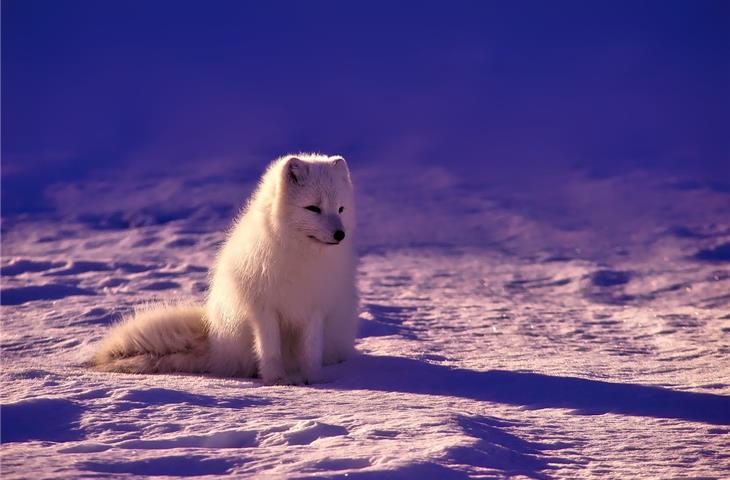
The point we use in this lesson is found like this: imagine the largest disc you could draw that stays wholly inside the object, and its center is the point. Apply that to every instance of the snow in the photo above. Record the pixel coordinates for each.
(574, 327)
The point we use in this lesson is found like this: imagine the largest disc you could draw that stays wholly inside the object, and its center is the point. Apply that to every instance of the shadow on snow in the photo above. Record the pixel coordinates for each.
(532, 390)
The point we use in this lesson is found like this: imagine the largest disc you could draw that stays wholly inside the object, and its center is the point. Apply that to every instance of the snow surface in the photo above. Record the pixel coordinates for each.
(575, 327)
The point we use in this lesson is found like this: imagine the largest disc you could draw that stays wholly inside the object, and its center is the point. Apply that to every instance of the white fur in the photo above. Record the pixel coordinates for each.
(282, 299)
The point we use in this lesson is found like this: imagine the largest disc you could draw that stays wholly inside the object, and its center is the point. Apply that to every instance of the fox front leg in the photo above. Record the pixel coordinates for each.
(310, 349)
(268, 347)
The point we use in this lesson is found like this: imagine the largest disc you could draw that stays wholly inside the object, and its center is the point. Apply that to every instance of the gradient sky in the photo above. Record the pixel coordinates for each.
(508, 87)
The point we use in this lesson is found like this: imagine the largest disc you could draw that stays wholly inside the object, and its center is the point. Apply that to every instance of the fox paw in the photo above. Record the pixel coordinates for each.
(280, 377)
(273, 373)
(283, 380)
(294, 379)
(312, 376)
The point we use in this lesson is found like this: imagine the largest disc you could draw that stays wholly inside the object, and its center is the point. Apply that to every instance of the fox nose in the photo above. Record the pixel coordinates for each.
(339, 235)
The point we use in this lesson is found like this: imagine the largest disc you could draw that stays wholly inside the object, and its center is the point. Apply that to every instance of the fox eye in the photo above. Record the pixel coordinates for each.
(314, 208)
(342, 209)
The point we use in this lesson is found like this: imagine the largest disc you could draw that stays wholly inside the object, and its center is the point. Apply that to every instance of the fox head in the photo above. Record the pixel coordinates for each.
(316, 199)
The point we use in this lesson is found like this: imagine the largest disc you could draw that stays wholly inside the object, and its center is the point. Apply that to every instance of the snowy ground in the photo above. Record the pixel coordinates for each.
(578, 327)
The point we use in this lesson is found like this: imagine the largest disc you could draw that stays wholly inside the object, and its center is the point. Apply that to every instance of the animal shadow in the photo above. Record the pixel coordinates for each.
(531, 390)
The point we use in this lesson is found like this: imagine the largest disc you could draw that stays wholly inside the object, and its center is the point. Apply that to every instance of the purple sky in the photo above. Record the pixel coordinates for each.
(503, 87)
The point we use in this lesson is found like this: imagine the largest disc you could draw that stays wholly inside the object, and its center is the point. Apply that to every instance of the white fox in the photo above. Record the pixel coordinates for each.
(282, 298)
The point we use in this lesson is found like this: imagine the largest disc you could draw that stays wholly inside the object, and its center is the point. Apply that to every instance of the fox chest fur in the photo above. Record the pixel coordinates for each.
(296, 286)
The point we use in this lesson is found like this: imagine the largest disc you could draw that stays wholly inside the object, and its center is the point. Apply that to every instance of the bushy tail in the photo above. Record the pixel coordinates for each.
(156, 339)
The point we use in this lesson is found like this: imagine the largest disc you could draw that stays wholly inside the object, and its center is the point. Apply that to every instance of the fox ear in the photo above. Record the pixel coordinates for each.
(340, 164)
(296, 170)
(338, 161)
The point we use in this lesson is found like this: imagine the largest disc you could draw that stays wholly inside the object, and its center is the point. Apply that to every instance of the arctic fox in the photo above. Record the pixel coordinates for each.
(282, 300)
